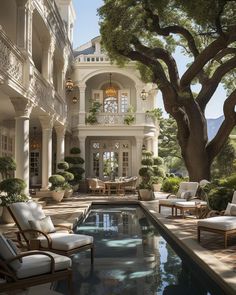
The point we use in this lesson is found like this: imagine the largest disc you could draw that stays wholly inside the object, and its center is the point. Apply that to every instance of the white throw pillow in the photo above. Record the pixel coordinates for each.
(230, 210)
(44, 224)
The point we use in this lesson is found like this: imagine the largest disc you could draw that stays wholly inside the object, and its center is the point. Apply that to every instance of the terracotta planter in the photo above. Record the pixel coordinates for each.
(145, 194)
(6, 216)
(58, 195)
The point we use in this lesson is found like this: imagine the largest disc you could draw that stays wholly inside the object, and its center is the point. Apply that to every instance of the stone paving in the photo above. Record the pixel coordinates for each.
(184, 230)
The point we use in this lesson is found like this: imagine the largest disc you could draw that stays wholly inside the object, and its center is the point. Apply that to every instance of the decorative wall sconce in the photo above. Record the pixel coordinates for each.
(144, 94)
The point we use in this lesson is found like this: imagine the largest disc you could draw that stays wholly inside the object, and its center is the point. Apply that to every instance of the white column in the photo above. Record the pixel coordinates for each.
(23, 108)
(24, 26)
(45, 59)
(47, 124)
(155, 146)
(82, 105)
(140, 115)
(138, 156)
(60, 131)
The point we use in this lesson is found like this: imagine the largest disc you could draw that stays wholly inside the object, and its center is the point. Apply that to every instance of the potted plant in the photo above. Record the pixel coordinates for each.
(11, 192)
(159, 174)
(129, 117)
(146, 172)
(68, 178)
(57, 181)
(92, 115)
(75, 163)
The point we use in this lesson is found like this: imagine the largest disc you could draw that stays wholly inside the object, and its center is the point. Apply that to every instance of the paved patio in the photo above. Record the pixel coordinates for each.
(211, 255)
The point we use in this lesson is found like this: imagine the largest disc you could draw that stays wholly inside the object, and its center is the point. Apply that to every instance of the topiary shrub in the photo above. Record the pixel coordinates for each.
(75, 150)
(219, 197)
(171, 184)
(57, 181)
(147, 162)
(7, 166)
(67, 175)
(158, 161)
(63, 165)
(74, 160)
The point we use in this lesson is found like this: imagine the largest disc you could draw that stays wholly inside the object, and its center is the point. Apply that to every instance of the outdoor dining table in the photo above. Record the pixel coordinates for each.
(114, 184)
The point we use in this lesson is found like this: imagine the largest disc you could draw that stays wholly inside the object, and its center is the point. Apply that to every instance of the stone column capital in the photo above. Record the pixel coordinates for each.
(60, 130)
(46, 122)
(22, 106)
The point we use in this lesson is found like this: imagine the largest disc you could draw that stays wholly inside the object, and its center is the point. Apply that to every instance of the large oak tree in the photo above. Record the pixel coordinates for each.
(148, 31)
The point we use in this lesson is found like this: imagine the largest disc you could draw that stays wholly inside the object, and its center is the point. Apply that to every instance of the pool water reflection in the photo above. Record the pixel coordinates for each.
(131, 257)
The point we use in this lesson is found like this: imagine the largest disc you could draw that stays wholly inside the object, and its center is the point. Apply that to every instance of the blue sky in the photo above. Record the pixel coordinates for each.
(86, 28)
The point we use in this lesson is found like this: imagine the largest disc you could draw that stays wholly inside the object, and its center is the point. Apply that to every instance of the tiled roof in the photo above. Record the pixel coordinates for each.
(86, 51)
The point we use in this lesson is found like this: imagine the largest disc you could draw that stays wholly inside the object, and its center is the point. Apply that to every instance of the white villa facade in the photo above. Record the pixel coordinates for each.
(40, 121)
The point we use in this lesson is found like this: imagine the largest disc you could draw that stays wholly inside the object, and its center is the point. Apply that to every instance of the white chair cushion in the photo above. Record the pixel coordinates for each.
(25, 211)
(190, 204)
(170, 201)
(6, 252)
(65, 241)
(40, 264)
(45, 225)
(219, 222)
(189, 187)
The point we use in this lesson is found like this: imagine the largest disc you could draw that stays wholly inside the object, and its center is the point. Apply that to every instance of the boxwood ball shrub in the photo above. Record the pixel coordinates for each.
(7, 165)
(56, 180)
(67, 175)
(63, 165)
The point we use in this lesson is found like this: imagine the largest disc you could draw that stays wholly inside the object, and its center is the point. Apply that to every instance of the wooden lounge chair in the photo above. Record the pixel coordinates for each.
(39, 232)
(26, 269)
(96, 186)
(224, 225)
(187, 190)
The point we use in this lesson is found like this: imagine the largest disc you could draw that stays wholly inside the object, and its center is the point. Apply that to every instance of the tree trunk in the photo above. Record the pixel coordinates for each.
(196, 160)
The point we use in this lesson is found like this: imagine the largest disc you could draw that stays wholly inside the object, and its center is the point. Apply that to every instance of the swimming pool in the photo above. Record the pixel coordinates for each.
(133, 258)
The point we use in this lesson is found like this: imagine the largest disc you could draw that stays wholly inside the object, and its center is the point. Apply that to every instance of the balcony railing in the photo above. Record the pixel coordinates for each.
(11, 60)
(113, 119)
(93, 58)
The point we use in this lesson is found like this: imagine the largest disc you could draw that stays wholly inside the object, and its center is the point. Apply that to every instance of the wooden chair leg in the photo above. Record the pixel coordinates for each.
(198, 235)
(92, 255)
(70, 284)
(159, 209)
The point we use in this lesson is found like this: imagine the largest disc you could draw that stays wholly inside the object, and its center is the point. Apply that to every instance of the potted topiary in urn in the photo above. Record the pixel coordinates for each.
(11, 190)
(57, 181)
(146, 172)
(69, 177)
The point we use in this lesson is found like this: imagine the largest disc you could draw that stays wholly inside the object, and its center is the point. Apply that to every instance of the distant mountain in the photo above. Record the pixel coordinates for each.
(213, 126)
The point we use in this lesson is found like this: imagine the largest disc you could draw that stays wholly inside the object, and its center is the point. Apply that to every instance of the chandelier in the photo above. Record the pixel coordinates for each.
(34, 143)
(110, 91)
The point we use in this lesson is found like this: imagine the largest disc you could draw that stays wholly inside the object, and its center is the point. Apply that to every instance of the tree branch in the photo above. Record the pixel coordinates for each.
(162, 54)
(225, 129)
(208, 90)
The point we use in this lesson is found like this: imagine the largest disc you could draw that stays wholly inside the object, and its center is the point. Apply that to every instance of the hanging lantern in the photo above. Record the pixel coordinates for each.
(110, 91)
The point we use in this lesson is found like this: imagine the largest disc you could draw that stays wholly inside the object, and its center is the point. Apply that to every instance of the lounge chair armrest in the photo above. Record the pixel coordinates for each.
(49, 240)
(30, 253)
(64, 226)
